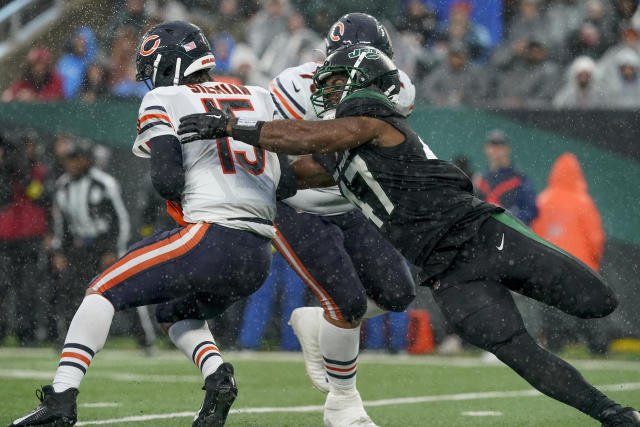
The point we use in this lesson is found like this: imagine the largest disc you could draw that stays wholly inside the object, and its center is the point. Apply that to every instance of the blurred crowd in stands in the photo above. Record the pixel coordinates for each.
(482, 53)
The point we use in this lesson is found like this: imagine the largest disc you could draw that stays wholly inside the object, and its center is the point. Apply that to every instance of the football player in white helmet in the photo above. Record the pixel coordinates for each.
(352, 269)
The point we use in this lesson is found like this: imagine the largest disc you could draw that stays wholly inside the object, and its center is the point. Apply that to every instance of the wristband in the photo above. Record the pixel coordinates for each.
(247, 131)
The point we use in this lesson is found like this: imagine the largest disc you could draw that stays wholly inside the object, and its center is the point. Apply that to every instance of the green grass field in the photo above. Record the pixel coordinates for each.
(125, 388)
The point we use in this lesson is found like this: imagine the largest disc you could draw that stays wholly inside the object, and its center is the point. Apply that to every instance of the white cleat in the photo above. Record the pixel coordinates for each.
(305, 322)
(346, 410)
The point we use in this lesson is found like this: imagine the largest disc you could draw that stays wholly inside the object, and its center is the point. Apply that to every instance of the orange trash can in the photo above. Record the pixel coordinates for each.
(419, 332)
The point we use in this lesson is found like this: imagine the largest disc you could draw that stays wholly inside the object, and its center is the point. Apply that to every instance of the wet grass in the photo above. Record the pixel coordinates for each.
(125, 383)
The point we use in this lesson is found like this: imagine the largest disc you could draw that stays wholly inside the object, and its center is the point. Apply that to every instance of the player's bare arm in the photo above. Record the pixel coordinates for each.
(310, 174)
(294, 136)
(300, 137)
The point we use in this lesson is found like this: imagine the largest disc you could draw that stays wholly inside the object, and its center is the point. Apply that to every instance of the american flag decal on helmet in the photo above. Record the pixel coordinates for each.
(189, 46)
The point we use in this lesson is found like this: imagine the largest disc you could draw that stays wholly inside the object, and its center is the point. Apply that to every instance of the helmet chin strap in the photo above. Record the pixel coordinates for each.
(352, 74)
(388, 91)
(176, 77)
(155, 69)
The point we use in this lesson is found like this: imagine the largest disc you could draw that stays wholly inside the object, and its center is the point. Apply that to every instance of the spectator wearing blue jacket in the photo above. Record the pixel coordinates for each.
(502, 184)
(484, 13)
(460, 29)
(81, 52)
(223, 45)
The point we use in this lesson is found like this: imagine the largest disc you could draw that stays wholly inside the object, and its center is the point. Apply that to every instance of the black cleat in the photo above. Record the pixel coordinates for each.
(221, 391)
(55, 409)
(622, 417)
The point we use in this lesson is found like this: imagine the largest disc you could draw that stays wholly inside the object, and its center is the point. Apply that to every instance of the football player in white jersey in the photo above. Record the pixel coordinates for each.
(222, 192)
(352, 269)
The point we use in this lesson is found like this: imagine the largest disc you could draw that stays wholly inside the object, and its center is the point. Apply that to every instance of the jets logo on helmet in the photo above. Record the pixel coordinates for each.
(146, 52)
(368, 53)
(339, 27)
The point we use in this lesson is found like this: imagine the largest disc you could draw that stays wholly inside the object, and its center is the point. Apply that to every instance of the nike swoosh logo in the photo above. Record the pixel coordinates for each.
(499, 247)
(295, 87)
(30, 414)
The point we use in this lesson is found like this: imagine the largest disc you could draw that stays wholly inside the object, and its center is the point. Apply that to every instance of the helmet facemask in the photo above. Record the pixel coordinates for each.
(328, 95)
(368, 67)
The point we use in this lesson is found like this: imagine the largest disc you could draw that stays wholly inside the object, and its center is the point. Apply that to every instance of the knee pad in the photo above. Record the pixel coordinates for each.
(520, 340)
(394, 299)
(180, 309)
(489, 327)
(355, 310)
(168, 312)
(596, 304)
(600, 305)
(399, 303)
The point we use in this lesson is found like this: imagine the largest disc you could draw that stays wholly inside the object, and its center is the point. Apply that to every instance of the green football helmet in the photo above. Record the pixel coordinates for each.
(362, 66)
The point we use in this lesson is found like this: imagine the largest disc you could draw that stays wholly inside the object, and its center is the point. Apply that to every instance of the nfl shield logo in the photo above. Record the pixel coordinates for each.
(189, 46)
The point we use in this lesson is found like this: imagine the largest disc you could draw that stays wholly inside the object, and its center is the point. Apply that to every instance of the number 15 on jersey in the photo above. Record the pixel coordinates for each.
(228, 157)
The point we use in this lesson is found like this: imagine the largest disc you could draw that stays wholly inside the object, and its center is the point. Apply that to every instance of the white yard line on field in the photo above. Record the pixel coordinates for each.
(369, 403)
(125, 377)
(100, 405)
(282, 356)
(482, 413)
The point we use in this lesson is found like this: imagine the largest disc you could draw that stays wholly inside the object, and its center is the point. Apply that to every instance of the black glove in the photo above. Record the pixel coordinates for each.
(210, 125)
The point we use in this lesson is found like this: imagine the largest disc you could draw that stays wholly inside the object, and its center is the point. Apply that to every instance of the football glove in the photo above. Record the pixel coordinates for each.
(210, 125)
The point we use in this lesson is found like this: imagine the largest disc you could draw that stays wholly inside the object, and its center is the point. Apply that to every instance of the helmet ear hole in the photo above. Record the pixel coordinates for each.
(148, 70)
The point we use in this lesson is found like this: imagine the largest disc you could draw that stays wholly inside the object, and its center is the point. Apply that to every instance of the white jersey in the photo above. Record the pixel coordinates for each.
(291, 93)
(227, 182)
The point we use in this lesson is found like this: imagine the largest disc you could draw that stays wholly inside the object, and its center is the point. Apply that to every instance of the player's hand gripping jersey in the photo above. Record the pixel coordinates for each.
(291, 93)
(226, 181)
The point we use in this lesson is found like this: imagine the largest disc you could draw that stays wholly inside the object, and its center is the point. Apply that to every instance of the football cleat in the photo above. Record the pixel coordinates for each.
(221, 391)
(305, 322)
(346, 410)
(55, 409)
(622, 417)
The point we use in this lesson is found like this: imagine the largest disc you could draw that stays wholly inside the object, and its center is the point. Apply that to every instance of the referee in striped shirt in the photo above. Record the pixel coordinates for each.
(91, 230)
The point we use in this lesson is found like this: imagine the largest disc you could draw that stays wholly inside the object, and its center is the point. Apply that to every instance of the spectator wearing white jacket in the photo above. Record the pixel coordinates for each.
(621, 88)
(582, 89)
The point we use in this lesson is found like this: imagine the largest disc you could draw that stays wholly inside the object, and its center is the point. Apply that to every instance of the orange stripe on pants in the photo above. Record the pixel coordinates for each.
(160, 258)
(327, 302)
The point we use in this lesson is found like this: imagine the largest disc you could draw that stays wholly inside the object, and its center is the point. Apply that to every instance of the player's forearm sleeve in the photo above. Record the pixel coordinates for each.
(167, 173)
(287, 186)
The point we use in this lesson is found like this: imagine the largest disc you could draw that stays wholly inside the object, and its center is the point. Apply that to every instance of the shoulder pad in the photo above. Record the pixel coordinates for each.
(291, 92)
(370, 94)
(366, 102)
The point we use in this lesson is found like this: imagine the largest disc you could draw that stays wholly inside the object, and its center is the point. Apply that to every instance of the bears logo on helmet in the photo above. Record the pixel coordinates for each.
(339, 28)
(171, 51)
(146, 52)
(358, 28)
